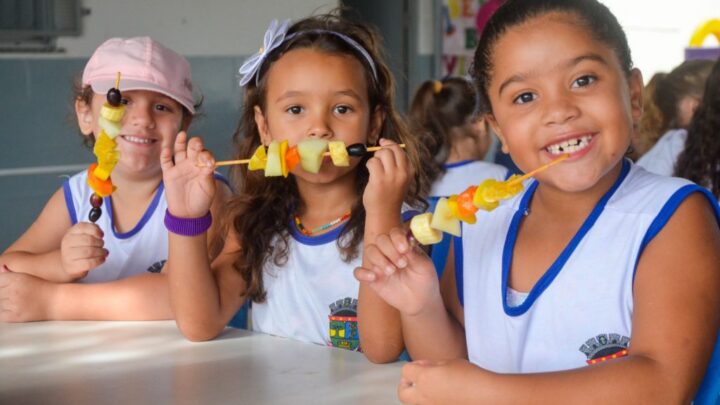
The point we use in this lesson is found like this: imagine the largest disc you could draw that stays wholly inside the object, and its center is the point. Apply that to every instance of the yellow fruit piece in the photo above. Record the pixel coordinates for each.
(454, 209)
(111, 113)
(311, 154)
(103, 169)
(338, 153)
(112, 129)
(258, 159)
(484, 195)
(283, 162)
(422, 231)
(444, 220)
(273, 165)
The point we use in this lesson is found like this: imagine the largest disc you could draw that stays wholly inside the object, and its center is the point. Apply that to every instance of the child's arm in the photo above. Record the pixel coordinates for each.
(55, 250)
(378, 323)
(25, 298)
(675, 324)
(411, 286)
(203, 297)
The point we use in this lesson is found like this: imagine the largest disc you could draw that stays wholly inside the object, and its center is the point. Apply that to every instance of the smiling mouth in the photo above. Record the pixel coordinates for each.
(138, 140)
(570, 145)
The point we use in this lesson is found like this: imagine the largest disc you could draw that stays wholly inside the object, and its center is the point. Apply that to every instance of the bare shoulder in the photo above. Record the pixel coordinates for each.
(47, 230)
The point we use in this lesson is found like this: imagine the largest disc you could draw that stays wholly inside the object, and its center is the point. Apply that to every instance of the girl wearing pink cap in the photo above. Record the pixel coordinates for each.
(65, 268)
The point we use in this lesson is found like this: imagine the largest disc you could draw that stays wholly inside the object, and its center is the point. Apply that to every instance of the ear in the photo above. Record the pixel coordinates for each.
(376, 122)
(490, 119)
(635, 87)
(262, 126)
(83, 111)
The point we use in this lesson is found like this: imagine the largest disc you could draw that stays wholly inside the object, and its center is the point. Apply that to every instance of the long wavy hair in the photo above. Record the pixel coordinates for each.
(437, 111)
(262, 212)
(700, 160)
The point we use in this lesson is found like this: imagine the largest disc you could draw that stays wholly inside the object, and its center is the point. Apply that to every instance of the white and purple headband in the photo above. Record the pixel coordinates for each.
(275, 36)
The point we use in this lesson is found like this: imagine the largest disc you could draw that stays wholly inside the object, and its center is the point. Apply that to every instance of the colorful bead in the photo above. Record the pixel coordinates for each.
(321, 228)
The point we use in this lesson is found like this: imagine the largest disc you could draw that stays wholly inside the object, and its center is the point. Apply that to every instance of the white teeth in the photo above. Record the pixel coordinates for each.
(569, 146)
(135, 139)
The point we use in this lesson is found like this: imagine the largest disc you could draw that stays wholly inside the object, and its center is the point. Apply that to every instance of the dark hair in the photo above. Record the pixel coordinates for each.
(600, 23)
(700, 160)
(268, 204)
(438, 108)
(84, 94)
(649, 131)
(686, 80)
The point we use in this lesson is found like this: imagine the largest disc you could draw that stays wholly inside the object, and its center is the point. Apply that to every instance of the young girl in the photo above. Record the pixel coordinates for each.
(668, 110)
(129, 238)
(293, 242)
(700, 159)
(598, 282)
(443, 115)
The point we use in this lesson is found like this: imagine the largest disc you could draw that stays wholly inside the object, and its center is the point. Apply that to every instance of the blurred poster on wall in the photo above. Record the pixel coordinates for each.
(462, 23)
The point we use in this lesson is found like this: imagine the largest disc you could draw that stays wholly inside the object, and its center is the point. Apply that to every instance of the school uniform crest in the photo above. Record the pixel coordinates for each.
(605, 346)
(343, 327)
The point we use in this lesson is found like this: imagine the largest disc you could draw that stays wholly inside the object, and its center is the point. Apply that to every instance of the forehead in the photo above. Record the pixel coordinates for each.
(314, 70)
(543, 43)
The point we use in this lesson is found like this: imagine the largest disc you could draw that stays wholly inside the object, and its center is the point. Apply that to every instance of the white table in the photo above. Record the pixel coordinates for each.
(151, 363)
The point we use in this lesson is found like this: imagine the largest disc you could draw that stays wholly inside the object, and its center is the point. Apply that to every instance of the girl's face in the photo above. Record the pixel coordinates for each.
(151, 122)
(312, 94)
(554, 90)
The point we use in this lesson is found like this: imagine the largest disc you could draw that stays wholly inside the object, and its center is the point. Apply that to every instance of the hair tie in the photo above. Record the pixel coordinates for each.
(276, 35)
(437, 86)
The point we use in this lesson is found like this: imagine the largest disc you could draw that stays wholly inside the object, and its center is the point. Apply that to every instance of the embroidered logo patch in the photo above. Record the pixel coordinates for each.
(605, 346)
(156, 267)
(343, 324)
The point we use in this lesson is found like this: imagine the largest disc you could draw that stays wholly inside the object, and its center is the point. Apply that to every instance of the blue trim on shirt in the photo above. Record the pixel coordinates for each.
(544, 282)
(508, 174)
(145, 218)
(458, 164)
(69, 201)
(457, 244)
(668, 210)
(408, 215)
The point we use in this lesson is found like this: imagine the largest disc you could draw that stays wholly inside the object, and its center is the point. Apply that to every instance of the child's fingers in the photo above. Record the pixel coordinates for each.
(195, 146)
(207, 160)
(80, 253)
(166, 158)
(84, 240)
(88, 264)
(86, 228)
(366, 275)
(399, 239)
(381, 257)
(397, 152)
(180, 147)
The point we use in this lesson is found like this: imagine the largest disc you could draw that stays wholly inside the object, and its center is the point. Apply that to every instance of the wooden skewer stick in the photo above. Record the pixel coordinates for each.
(536, 171)
(117, 81)
(246, 161)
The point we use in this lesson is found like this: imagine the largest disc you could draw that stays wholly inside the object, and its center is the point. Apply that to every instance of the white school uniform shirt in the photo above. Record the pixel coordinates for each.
(312, 297)
(139, 250)
(580, 311)
(663, 156)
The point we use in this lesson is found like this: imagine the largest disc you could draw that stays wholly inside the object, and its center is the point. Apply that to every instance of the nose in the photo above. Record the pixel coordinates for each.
(560, 108)
(320, 126)
(140, 115)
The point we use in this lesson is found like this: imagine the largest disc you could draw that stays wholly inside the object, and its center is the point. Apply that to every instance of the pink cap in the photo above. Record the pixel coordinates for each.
(144, 64)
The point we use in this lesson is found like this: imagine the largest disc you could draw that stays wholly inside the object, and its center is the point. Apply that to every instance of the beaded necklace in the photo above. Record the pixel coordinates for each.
(321, 228)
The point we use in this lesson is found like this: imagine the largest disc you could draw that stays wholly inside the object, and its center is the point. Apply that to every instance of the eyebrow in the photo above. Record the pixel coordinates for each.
(570, 63)
(295, 93)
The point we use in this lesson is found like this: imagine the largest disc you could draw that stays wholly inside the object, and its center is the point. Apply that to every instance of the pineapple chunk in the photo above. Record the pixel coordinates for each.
(338, 153)
(484, 197)
(112, 129)
(311, 154)
(258, 159)
(444, 220)
(273, 166)
(111, 113)
(283, 161)
(422, 231)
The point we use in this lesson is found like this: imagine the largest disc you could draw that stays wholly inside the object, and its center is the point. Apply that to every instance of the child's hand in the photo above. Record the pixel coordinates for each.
(439, 382)
(24, 298)
(388, 182)
(189, 182)
(81, 249)
(400, 273)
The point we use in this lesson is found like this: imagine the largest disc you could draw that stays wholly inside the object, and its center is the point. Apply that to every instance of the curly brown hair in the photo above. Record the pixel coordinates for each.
(264, 208)
(700, 160)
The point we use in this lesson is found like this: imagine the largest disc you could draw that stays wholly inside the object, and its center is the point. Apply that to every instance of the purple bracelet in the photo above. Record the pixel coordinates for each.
(187, 226)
